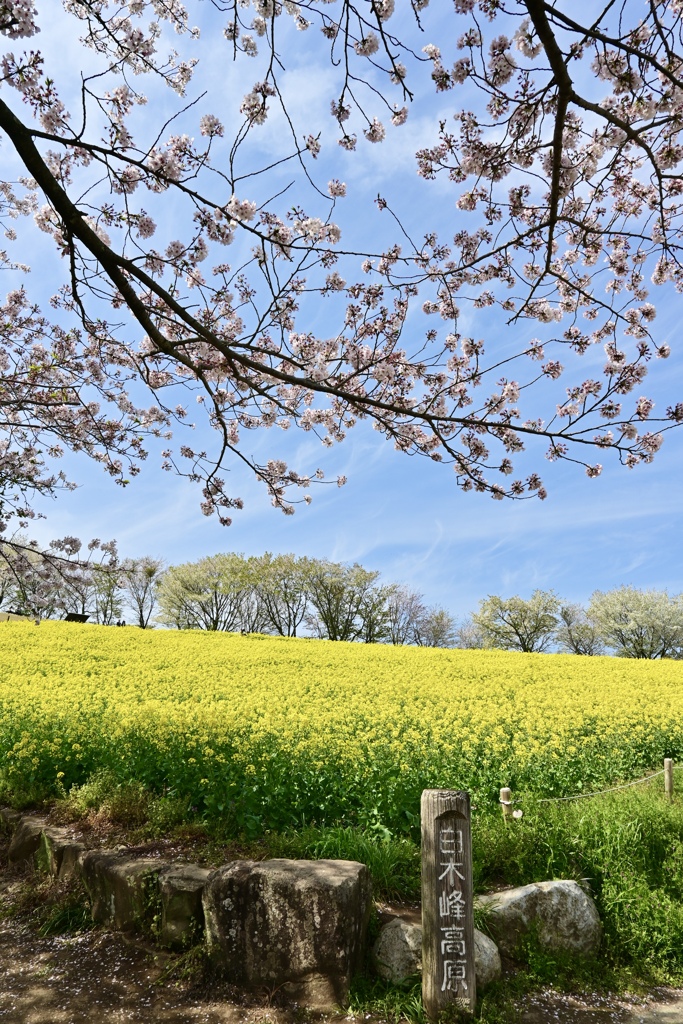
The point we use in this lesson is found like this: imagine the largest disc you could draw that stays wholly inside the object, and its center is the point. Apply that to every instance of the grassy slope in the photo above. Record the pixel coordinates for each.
(270, 733)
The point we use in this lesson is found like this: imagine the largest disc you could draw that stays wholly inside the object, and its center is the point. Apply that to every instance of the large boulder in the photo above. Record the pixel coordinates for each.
(487, 963)
(297, 927)
(560, 913)
(182, 915)
(397, 954)
(124, 891)
(26, 840)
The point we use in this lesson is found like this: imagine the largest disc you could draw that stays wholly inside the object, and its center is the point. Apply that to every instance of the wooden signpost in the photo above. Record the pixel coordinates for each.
(447, 903)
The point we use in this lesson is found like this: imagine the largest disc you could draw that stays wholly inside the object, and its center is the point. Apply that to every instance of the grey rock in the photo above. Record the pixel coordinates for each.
(397, 954)
(70, 864)
(26, 840)
(8, 816)
(59, 853)
(293, 926)
(182, 914)
(124, 891)
(562, 915)
(487, 964)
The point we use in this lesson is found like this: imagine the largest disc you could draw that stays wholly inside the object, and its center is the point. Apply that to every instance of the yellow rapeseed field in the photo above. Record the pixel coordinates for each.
(269, 732)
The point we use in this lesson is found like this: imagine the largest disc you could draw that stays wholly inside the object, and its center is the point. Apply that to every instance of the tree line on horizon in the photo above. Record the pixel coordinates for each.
(625, 621)
(292, 596)
(279, 594)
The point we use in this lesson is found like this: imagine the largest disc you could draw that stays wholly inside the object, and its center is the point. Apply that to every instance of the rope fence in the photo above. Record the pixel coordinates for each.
(667, 771)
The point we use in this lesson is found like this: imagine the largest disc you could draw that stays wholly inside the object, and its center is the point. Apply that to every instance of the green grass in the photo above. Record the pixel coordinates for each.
(69, 913)
(390, 1002)
(49, 906)
(394, 863)
(626, 847)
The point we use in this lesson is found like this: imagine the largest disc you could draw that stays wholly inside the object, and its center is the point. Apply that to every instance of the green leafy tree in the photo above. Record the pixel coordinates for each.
(208, 594)
(577, 633)
(374, 615)
(338, 596)
(514, 624)
(282, 585)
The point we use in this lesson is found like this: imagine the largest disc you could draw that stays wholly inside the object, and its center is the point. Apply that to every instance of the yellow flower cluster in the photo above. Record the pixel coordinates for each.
(268, 731)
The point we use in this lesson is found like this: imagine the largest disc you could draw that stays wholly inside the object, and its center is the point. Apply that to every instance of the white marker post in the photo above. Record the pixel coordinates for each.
(669, 778)
(447, 903)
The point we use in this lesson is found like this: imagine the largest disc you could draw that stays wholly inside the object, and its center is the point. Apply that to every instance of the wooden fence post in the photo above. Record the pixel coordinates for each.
(447, 902)
(506, 802)
(668, 778)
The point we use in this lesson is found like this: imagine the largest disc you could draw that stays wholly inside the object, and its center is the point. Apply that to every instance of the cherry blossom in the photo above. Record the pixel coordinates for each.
(560, 146)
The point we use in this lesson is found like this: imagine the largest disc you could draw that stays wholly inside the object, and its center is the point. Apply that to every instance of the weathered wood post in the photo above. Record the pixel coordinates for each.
(447, 902)
(668, 778)
(506, 802)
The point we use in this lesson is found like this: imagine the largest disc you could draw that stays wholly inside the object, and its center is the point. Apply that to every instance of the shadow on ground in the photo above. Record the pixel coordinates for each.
(99, 978)
(663, 1007)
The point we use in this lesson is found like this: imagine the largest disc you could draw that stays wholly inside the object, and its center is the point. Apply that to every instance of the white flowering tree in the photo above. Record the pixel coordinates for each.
(638, 623)
(61, 578)
(190, 268)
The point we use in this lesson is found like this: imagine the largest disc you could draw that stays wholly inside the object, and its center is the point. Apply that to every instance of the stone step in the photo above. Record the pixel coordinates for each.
(181, 887)
(123, 890)
(26, 839)
(295, 926)
(59, 853)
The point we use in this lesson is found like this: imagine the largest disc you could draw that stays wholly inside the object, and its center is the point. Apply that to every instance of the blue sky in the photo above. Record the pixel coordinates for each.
(406, 518)
(402, 516)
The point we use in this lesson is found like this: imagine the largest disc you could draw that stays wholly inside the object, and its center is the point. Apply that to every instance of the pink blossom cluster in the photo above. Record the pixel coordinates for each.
(563, 155)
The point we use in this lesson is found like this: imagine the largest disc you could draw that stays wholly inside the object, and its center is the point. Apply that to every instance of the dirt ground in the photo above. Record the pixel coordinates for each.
(662, 1007)
(98, 978)
(103, 978)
